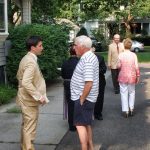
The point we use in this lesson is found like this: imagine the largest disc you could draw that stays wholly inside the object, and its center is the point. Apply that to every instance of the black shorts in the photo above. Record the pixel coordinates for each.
(83, 114)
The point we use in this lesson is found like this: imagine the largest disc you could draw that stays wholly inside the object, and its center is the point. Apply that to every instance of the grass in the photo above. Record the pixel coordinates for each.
(14, 110)
(147, 48)
(104, 54)
(142, 56)
(6, 94)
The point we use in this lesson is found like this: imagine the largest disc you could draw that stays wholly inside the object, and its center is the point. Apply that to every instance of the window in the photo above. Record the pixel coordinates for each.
(2, 19)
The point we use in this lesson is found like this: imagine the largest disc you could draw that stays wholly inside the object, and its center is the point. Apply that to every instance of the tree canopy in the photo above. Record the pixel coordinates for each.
(81, 10)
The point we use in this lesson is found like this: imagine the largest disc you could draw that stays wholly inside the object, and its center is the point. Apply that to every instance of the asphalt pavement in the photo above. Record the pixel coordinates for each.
(113, 133)
(116, 132)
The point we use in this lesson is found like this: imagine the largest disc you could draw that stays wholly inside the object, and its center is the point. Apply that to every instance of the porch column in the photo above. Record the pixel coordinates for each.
(141, 26)
(26, 11)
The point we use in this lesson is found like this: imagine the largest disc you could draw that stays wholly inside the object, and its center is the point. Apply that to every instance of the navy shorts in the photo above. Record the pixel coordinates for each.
(83, 114)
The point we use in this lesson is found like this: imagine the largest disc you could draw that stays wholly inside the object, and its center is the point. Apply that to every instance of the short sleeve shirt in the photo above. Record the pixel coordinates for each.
(87, 69)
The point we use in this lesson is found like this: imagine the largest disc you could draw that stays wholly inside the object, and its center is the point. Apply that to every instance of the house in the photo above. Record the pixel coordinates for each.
(91, 25)
(138, 27)
(25, 6)
(3, 36)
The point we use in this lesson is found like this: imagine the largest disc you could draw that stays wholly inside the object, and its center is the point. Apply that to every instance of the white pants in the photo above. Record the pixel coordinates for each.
(127, 92)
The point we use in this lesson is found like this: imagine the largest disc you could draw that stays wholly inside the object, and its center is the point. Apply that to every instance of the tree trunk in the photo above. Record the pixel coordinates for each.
(127, 23)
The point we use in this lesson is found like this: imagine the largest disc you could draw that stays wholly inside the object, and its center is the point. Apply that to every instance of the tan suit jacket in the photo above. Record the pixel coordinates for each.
(31, 82)
(113, 54)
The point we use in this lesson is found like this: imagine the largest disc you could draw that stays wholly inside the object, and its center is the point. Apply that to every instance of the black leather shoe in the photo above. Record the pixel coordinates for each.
(99, 117)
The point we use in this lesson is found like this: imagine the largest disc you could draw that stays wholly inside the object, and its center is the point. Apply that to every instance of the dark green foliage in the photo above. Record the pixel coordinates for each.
(55, 44)
(98, 34)
(6, 94)
(43, 8)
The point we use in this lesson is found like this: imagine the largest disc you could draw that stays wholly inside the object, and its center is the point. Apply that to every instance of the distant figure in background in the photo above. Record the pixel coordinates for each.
(128, 76)
(82, 31)
(115, 48)
(66, 72)
(102, 83)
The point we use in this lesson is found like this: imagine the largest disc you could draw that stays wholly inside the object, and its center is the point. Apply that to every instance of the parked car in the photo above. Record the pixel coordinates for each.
(96, 44)
(137, 46)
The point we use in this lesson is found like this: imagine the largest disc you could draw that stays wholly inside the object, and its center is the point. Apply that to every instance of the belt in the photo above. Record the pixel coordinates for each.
(67, 79)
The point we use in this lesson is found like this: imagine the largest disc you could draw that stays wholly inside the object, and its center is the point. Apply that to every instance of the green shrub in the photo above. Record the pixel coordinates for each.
(6, 94)
(55, 42)
(98, 34)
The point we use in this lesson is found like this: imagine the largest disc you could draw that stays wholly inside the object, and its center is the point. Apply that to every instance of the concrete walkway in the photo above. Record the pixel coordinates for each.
(51, 126)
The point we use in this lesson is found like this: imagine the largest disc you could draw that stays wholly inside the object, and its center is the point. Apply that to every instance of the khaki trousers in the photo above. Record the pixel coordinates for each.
(29, 124)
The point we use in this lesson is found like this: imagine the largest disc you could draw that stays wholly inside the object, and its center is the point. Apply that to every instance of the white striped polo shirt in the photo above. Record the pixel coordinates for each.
(87, 69)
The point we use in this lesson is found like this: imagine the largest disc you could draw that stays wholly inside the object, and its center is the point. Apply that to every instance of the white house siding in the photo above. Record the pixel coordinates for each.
(3, 33)
(2, 54)
(2, 63)
(91, 25)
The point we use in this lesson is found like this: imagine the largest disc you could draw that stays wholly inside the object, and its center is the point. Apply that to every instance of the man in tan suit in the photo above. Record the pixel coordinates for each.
(115, 48)
(31, 91)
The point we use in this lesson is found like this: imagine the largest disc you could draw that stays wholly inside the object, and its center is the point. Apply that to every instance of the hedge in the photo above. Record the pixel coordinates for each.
(55, 42)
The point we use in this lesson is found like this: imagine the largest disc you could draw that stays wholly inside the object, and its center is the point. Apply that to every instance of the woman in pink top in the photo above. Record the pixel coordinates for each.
(128, 76)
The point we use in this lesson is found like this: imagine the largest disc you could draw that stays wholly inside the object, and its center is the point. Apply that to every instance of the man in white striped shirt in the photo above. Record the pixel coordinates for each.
(84, 90)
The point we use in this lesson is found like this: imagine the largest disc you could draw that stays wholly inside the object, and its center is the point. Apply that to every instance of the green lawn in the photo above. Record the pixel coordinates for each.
(142, 56)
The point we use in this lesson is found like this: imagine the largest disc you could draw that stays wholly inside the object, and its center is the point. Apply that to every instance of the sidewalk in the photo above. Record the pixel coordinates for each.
(51, 126)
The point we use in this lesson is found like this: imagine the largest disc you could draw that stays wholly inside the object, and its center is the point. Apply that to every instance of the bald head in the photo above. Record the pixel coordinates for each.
(116, 36)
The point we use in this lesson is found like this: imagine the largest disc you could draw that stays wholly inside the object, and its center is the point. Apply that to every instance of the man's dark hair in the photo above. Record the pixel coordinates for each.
(32, 41)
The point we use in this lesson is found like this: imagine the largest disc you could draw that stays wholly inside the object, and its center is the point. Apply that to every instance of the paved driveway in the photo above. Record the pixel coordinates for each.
(116, 132)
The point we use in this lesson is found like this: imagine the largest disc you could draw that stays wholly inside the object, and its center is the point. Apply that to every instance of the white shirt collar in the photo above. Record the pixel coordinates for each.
(33, 55)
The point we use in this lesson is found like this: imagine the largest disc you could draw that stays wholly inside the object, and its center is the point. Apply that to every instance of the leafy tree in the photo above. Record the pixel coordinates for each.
(44, 11)
(105, 8)
(47, 10)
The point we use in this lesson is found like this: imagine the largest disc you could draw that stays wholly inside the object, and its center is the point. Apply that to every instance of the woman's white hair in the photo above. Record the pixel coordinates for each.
(84, 41)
